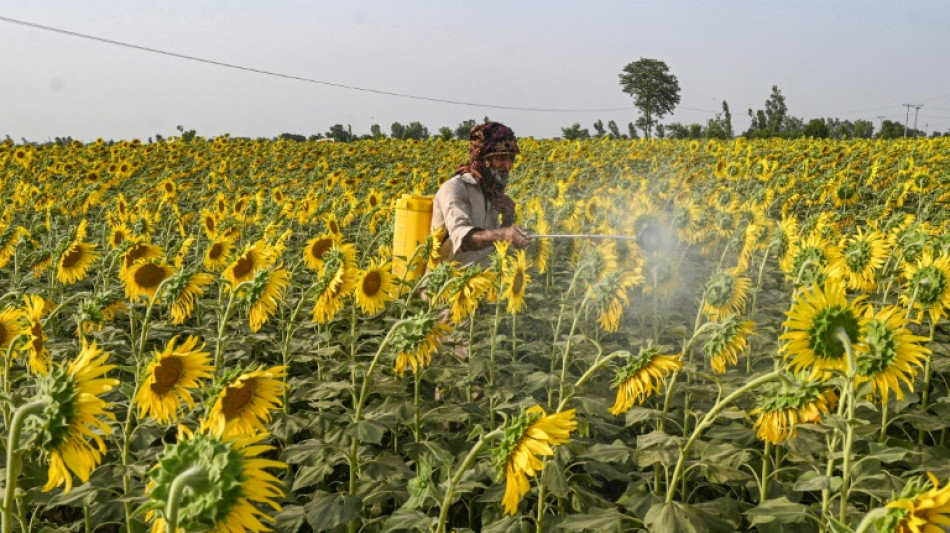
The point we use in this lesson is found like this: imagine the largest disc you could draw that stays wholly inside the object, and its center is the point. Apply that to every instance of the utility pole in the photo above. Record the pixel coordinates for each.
(916, 109)
(906, 118)
(880, 120)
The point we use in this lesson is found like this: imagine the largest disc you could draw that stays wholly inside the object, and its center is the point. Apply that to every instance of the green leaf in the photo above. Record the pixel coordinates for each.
(779, 510)
(367, 431)
(554, 480)
(409, 520)
(328, 510)
(311, 475)
(812, 480)
(616, 452)
(605, 520)
(676, 517)
(290, 519)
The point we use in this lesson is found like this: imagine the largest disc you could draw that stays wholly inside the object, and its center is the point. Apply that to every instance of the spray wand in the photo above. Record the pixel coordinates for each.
(583, 236)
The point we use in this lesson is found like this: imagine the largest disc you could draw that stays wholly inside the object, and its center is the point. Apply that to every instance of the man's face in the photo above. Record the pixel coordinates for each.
(500, 165)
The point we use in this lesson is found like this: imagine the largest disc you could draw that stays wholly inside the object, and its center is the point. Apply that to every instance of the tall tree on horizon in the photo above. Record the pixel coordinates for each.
(654, 90)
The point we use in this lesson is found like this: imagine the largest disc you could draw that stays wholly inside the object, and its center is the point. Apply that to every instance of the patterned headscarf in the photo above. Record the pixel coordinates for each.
(491, 138)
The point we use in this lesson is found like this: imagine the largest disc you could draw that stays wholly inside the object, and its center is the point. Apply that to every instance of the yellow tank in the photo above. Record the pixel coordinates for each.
(413, 217)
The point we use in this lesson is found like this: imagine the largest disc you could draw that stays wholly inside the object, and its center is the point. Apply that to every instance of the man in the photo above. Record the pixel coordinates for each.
(470, 203)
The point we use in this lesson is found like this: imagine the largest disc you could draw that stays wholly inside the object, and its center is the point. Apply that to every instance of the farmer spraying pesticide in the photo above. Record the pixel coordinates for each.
(469, 204)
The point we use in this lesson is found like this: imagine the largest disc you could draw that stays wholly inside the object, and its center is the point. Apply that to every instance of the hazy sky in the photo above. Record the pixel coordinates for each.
(849, 59)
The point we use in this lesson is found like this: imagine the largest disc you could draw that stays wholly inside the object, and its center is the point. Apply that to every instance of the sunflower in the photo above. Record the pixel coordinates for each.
(921, 507)
(374, 288)
(816, 316)
(609, 297)
(75, 262)
(544, 245)
(168, 377)
(143, 278)
(183, 290)
(229, 481)
(243, 404)
(531, 434)
(74, 414)
(789, 403)
(39, 353)
(316, 248)
(516, 279)
(642, 376)
(265, 294)
(245, 266)
(890, 352)
(138, 249)
(466, 290)
(862, 256)
(218, 253)
(8, 241)
(118, 235)
(928, 286)
(209, 223)
(336, 281)
(725, 294)
(415, 342)
(727, 341)
(813, 261)
(11, 326)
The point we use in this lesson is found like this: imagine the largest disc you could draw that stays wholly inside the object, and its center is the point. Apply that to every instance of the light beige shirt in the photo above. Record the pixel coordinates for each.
(461, 206)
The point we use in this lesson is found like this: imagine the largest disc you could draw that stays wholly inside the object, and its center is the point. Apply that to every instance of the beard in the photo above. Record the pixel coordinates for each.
(500, 176)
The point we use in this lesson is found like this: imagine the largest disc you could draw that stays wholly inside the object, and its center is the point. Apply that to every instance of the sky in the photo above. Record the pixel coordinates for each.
(845, 59)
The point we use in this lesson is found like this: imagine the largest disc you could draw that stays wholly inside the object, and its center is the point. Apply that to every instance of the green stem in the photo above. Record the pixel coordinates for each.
(707, 421)
(764, 481)
(925, 390)
(13, 458)
(567, 348)
(851, 398)
(358, 414)
(222, 323)
(542, 494)
(466, 464)
(179, 484)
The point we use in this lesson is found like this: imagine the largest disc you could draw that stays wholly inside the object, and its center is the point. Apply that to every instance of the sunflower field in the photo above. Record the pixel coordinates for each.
(210, 335)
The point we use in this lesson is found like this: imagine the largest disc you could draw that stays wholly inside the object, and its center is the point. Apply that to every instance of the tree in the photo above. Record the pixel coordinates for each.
(415, 130)
(817, 128)
(599, 130)
(575, 132)
(774, 120)
(376, 131)
(397, 131)
(632, 130)
(721, 126)
(341, 134)
(445, 133)
(463, 129)
(654, 90)
(614, 130)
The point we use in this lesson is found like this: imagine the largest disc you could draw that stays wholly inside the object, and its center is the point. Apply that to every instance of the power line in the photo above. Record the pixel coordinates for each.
(299, 78)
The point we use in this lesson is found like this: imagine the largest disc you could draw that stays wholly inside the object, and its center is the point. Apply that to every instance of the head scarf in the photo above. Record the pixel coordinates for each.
(491, 138)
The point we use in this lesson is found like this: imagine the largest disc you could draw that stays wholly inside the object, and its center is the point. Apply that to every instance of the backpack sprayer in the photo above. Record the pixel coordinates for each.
(411, 227)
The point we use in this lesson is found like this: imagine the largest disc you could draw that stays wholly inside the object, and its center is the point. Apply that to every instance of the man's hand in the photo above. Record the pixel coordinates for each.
(517, 236)
(478, 239)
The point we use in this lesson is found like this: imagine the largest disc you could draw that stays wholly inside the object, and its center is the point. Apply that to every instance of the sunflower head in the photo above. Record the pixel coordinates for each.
(416, 340)
(226, 479)
(527, 436)
(922, 505)
(890, 353)
(789, 402)
(642, 376)
(727, 341)
(815, 321)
